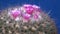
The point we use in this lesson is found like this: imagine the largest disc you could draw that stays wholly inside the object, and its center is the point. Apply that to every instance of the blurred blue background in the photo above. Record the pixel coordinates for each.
(53, 5)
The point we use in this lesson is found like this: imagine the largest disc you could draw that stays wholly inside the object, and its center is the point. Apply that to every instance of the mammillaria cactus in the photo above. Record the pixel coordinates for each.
(27, 19)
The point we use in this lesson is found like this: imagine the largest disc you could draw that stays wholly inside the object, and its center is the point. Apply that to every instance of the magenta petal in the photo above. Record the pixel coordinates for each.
(26, 16)
(29, 10)
(15, 14)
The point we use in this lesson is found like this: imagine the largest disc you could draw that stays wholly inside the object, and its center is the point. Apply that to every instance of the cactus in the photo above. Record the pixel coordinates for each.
(27, 19)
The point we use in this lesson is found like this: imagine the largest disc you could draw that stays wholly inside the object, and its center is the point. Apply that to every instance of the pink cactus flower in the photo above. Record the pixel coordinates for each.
(26, 16)
(15, 13)
(29, 9)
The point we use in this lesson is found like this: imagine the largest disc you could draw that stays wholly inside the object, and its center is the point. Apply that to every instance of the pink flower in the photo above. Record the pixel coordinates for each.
(26, 16)
(29, 9)
(15, 13)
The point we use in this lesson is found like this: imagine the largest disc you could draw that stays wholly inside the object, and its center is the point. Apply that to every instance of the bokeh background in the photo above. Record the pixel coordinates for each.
(46, 6)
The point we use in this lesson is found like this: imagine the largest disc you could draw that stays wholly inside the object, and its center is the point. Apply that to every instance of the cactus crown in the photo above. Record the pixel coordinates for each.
(27, 19)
